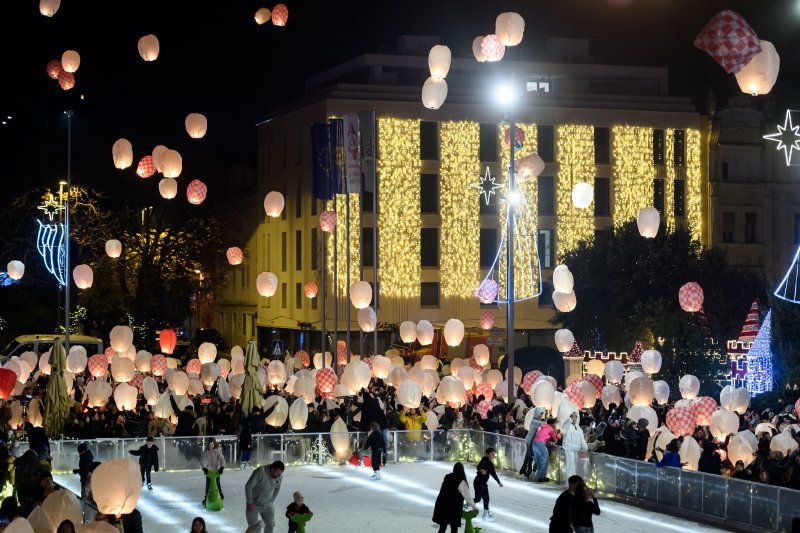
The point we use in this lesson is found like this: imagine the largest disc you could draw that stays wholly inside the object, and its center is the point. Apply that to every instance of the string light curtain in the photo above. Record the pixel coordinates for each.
(634, 171)
(341, 241)
(694, 184)
(460, 210)
(399, 219)
(575, 156)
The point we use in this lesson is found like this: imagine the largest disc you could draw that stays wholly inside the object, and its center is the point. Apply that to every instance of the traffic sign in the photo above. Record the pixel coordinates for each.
(495, 341)
(277, 348)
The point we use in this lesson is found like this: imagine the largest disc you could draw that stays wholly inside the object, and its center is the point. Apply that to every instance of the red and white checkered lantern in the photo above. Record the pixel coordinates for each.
(194, 366)
(280, 14)
(327, 221)
(473, 364)
(690, 296)
(109, 353)
(797, 408)
(575, 396)
(310, 289)
(196, 192)
(146, 167)
(703, 407)
(487, 320)
(483, 409)
(304, 358)
(729, 40)
(529, 379)
(54, 69)
(680, 421)
(158, 365)
(341, 353)
(486, 390)
(519, 137)
(138, 382)
(66, 80)
(97, 364)
(492, 49)
(234, 255)
(487, 292)
(597, 381)
(326, 380)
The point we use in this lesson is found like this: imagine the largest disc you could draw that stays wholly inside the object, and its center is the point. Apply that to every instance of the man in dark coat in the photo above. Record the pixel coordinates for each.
(187, 419)
(561, 522)
(449, 503)
(148, 459)
(85, 460)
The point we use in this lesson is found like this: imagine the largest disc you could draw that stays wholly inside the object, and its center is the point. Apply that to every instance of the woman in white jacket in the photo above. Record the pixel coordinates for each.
(573, 442)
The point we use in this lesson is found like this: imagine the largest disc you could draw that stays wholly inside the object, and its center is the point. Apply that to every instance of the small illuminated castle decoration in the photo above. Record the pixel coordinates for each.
(737, 349)
(51, 237)
(576, 360)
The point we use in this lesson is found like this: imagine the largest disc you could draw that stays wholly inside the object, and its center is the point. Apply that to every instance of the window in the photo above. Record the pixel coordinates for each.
(542, 85)
(245, 275)
(488, 143)
(244, 324)
(283, 152)
(602, 197)
(429, 247)
(429, 141)
(314, 302)
(680, 198)
(366, 201)
(658, 195)
(729, 226)
(299, 140)
(233, 277)
(298, 250)
(221, 327)
(229, 323)
(429, 294)
(298, 295)
(797, 228)
(680, 147)
(298, 205)
(283, 211)
(545, 248)
(545, 141)
(284, 296)
(546, 196)
(313, 205)
(546, 298)
(658, 147)
(283, 251)
(314, 261)
(750, 227)
(488, 246)
(724, 170)
(367, 255)
(429, 193)
(602, 146)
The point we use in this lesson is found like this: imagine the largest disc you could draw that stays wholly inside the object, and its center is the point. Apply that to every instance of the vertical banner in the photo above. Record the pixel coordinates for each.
(337, 155)
(320, 151)
(352, 153)
(367, 120)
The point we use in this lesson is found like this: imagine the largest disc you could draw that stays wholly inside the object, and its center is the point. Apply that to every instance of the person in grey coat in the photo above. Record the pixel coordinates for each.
(260, 492)
(536, 421)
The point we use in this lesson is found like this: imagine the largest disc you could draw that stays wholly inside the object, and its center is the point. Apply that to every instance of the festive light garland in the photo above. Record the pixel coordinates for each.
(759, 360)
(575, 149)
(50, 240)
(460, 213)
(633, 171)
(399, 219)
(669, 180)
(341, 241)
(694, 184)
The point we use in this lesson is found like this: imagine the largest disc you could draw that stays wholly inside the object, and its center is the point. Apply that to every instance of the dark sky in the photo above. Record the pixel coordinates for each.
(215, 60)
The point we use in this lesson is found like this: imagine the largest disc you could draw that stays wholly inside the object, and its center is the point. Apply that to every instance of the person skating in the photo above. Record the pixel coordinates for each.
(84, 468)
(245, 444)
(297, 507)
(260, 492)
(376, 443)
(584, 505)
(148, 459)
(454, 492)
(212, 459)
(561, 521)
(481, 482)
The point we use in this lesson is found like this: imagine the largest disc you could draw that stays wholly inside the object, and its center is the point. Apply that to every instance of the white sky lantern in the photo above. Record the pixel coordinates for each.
(416, 373)
(168, 188)
(431, 421)
(610, 394)
(70, 61)
(262, 17)
(494, 377)
(646, 412)
(564, 339)
(122, 369)
(171, 163)
(409, 394)
(424, 332)
(142, 361)
(651, 361)
(158, 151)
(565, 301)
(367, 319)
(30, 358)
(434, 93)
(44, 363)
(468, 375)
(563, 281)
(783, 442)
(582, 195)
(641, 391)
(150, 390)
(276, 373)
(281, 412)
(360, 294)
(120, 338)
(116, 486)
(340, 437)
(453, 332)
(196, 387)
(480, 57)
(517, 375)
(397, 375)
(408, 331)
(196, 125)
(98, 391)
(509, 28)
(663, 437)
(542, 394)
(267, 284)
(690, 453)
(179, 383)
(648, 221)
(273, 204)
(689, 386)
(439, 61)
(381, 366)
(209, 373)
(759, 75)
(122, 152)
(83, 276)
(589, 393)
(48, 8)
(734, 399)
(125, 396)
(62, 505)
(723, 423)
(614, 371)
(76, 360)
(596, 367)
(452, 389)
(16, 269)
(661, 392)
(529, 167)
(361, 373)
(304, 387)
(429, 362)
(631, 375)
(25, 370)
(298, 414)
(481, 354)
(741, 449)
(149, 47)
(455, 365)
(113, 248)
(318, 359)
(207, 352)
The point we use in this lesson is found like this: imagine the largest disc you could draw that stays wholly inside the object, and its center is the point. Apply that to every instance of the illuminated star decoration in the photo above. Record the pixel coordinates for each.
(487, 186)
(51, 207)
(787, 137)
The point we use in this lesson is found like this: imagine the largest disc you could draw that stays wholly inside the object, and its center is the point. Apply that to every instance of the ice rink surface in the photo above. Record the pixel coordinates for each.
(344, 499)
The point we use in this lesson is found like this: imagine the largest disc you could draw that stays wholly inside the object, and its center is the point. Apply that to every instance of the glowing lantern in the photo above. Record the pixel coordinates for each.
(83, 276)
(54, 68)
(234, 255)
(509, 28)
(563, 281)
(158, 151)
(179, 383)
(494, 377)
(122, 153)
(298, 414)
(646, 412)
(542, 394)
(661, 392)
(648, 221)
(651, 361)
(480, 57)
(689, 386)
(122, 369)
(610, 394)
(8, 380)
(564, 340)
(267, 284)
(367, 319)
(453, 332)
(98, 391)
(310, 289)
(381, 366)
(481, 354)
(468, 376)
(280, 413)
(452, 390)
(434, 93)
(690, 453)
(158, 365)
(703, 407)
(66, 80)
(734, 399)
(70, 61)
(326, 380)
(408, 331)
(196, 125)
(16, 269)
(276, 373)
(424, 332)
(487, 320)
(360, 294)
(171, 164)
(207, 353)
(784, 442)
(582, 195)
(280, 14)
(340, 437)
(759, 75)
(680, 420)
(273, 204)
(262, 16)
(196, 192)
(529, 167)
(62, 505)
(48, 8)
(125, 396)
(149, 47)
(596, 367)
(146, 168)
(614, 371)
(76, 360)
(565, 301)
(44, 363)
(167, 339)
(116, 486)
(641, 391)
(193, 366)
(98, 364)
(318, 360)
(491, 48)
(439, 61)
(729, 40)
(168, 188)
(517, 375)
(120, 338)
(327, 221)
(142, 361)
(690, 296)
(209, 373)
(723, 423)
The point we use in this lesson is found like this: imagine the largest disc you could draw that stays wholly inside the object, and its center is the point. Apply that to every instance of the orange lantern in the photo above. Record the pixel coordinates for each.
(167, 339)
(234, 255)
(280, 14)
(196, 192)
(8, 380)
(146, 167)
(311, 289)
(66, 80)
(54, 69)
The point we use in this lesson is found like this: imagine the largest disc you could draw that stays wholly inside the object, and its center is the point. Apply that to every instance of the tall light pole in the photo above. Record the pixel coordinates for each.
(67, 274)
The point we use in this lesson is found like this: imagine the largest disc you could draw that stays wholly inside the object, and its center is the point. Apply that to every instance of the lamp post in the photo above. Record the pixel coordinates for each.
(68, 282)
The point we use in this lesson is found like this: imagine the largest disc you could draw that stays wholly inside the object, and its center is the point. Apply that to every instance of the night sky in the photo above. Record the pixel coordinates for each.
(217, 61)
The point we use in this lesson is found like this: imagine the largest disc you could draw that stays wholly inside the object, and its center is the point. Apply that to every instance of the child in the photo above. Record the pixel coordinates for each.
(481, 483)
(297, 507)
(376, 443)
(245, 442)
(148, 458)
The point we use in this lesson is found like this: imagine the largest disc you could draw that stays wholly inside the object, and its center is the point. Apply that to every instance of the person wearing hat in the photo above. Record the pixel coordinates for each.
(84, 467)
(642, 436)
(298, 513)
(573, 442)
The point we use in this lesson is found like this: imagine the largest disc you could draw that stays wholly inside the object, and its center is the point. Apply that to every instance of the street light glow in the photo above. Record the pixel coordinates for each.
(514, 197)
(505, 94)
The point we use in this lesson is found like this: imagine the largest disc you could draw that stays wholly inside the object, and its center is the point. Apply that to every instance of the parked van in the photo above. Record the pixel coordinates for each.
(39, 344)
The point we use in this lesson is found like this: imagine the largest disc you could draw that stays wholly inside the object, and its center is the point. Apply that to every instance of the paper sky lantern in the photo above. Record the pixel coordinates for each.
(8, 380)
(648, 221)
(122, 153)
(158, 365)
(596, 367)
(276, 373)
(280, 14)
(273, 204)
(542, 394)
(171, 164)
(16, 269)
(690, 296)
(318, 360)
(487, 291)
(614, 371)
(280, 413)
(641, 391)
(113, 248)
(397, 375)
(468, 376)
(367, 319)
(517, 375)
(66, 80)
(651, 361)
(179, 383)
(98, 391)
(783, 442)
(209, 373)
(480, 57)
(62, 505)
(582, 195)
(267, 284)
(262, 16)
(723, 423)
(492, 49)
(149, 47)
(439, 61)
(529, 167)
(481, 354)
(54, 68)
(434, 93)
(610, 394)
(116, 486)
(729, 40)
(48, 8)
(703, 407)
(196, 192)
(734, 399)
(564, 340)
(381, 366)
(646, 412)
(207, 353)
(661, 392)
(453, 332)
(689, 386)
(529, 379)
(193, 366)
(360, 294)
(409, 395)
(340, 437)
(167, 340)
(76, 360)
(563, 281)
(234, 255)
(310, 289)
(70, 61)
(326, 380)
(509, 28)
(196, 125)
(44, 363)
(565, 301)
(125, 396)
(424, 332)
(408, 331)
(327, 221)
(486, 320)
(759, 75)
(98, 364)
(452, 389)
(142, 361)
(147, 168)
(298, 414)
(122, 369)
(83, 276)
(120, 338)
(168, 188)
(158, 151)
(680, 421)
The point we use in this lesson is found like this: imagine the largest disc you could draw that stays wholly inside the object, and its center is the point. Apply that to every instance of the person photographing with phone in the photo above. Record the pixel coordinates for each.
(584, 505)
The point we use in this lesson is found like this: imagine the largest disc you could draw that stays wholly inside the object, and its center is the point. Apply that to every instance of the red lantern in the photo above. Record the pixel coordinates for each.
(597, 381)
(311, 289)
(158, 365)
(327, 221)
(280, 14)
(66, 80)
(341, 353)
(167, 339)
(234, 255)
(680, 421)
(326, 380)
(488, 290)
(97, 364)
(519, 137)
(146, 167)
(492, 49)
(690, 296)
(485, 389)
(54, 69)
(193, 366)
(487, 320)
(109, 353)
(729, 40)
(483, 408)
(196, 192)
(529, 379)
(303, 357)
(138, 382)
(8, 380)
(703, 407)
(575, 395)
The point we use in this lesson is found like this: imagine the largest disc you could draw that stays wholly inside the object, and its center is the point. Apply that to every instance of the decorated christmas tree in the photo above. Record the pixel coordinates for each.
(575, 351)
(751, 324)
(636, 354)
(759, 360)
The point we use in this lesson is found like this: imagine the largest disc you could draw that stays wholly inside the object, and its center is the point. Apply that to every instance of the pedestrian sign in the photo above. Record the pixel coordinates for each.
(277, 348)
